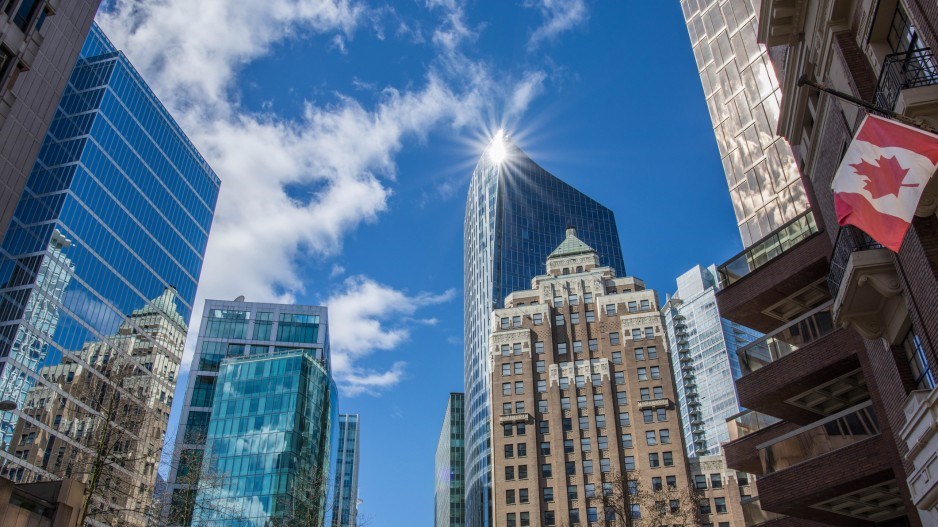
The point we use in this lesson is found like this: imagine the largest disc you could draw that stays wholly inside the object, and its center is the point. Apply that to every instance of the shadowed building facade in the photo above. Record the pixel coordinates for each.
(516, 213)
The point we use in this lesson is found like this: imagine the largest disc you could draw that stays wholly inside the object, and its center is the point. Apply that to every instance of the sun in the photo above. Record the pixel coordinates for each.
(497, 151)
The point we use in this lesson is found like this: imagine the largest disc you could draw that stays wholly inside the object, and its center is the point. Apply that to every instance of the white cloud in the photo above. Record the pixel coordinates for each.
(559, 16)
(337, 270)
(294, 187)
(525, 91)
(366, 316)
(197, 47)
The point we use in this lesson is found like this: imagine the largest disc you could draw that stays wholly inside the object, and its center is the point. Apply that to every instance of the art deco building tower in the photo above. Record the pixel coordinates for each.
(516, 213)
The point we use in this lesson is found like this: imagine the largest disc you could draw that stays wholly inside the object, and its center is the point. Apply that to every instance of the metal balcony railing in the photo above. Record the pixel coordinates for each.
(748, 422)
(768, 248)
(787, 339)
(849, 240)
(822, 437)
(901, 71)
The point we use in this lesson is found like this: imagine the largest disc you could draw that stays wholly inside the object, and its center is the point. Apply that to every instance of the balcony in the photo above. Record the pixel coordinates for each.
(804, 369)
(777, 279)
(753, 513)
(868, 295)
(767, 249)
(747, 423)
(834, 470)
(903, 71)
(747, 430)
(787, 339)
(827, 435)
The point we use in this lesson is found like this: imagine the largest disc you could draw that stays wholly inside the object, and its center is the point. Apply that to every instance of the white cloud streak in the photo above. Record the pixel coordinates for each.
(372, 316)
(559, 16)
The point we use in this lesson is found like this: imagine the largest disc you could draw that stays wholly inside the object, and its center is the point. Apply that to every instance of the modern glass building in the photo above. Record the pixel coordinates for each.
(450, 483)
(112, 226)
(516, 214)
(743, 97)
(345, 490)
(704, 361)
(257, 448)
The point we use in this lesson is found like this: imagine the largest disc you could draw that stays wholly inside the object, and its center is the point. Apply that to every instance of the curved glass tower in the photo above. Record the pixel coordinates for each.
(516, 214)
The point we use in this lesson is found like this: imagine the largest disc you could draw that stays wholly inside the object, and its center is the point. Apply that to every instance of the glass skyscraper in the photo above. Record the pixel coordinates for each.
(516, 214)
(345, 493)
(450, 483)
(98, 272)
(704, 361)
(743, 97)
(258, 423)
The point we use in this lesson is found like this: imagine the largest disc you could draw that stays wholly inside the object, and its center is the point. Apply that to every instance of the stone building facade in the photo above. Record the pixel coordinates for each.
(584, 418)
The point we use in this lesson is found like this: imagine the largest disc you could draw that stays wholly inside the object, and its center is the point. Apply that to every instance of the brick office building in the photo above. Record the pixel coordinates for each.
(584, 405)
(841, 390)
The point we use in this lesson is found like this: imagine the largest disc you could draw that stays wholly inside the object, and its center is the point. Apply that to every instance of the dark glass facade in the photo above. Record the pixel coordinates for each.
(98, 272)
(450, 481)
(284, 417)
(516, 215)
(345, 500)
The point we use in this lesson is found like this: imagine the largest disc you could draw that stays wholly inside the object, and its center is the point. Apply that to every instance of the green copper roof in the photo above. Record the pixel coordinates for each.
(571, 246)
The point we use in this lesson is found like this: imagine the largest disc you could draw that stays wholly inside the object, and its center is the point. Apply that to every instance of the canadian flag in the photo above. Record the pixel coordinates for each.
(882, 177)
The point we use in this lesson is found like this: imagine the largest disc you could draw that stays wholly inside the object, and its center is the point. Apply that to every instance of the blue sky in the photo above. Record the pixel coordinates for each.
(345, 133)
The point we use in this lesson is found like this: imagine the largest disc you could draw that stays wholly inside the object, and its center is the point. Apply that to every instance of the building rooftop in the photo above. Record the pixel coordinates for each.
(571, 246)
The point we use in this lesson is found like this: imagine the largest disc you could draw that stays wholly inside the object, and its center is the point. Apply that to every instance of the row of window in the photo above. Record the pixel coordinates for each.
(648, 416)
(718, 503)
(700, 481)
(591, 344)
(560, 320)
(655, 460)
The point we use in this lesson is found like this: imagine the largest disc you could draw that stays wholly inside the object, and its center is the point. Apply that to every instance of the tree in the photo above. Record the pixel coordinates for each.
(120, 442)
(195, 478)
(630, 503)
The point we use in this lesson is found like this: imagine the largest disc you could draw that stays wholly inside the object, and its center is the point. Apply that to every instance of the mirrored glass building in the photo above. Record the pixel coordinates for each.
(516, 214)
(98, 272)
(743, 97)
(704, 360)
(257, 430)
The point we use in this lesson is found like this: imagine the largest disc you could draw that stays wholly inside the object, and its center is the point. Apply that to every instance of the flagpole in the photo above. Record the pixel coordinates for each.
(917, 123)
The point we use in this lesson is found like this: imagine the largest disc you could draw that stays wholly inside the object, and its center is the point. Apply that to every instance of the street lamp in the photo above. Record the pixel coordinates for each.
(7, 406)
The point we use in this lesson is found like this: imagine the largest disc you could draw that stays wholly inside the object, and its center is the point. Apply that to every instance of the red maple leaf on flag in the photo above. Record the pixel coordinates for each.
(884, 178)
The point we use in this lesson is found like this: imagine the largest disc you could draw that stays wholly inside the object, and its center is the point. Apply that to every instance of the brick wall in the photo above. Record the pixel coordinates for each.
(924, 14)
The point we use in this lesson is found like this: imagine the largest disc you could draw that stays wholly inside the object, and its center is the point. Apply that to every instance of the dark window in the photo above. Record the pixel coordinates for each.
(24, 14)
